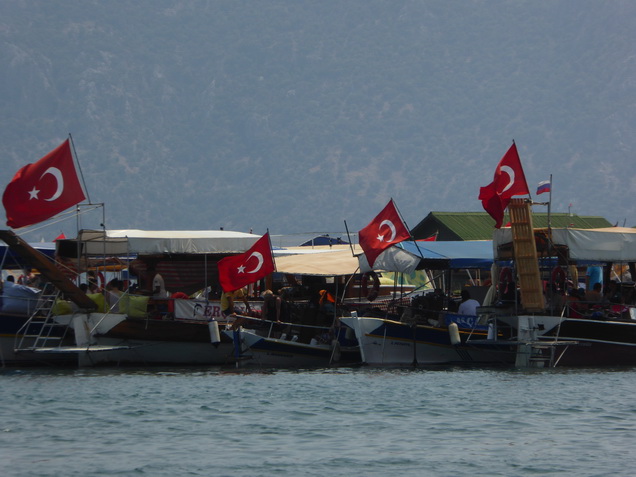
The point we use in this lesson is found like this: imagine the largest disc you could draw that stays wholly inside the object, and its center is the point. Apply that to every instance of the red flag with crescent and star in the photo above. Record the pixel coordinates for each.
(240, 270)
(509, 181)
(43, 189)
(385, 230)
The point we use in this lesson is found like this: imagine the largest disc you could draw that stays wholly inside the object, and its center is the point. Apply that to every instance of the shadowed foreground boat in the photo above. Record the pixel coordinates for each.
(272, 344)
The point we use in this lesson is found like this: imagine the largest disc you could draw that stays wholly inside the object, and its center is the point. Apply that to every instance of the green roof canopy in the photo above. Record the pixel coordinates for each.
(480, 226)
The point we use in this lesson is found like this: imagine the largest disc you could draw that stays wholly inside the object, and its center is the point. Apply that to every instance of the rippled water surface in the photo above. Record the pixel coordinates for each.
(335, 422)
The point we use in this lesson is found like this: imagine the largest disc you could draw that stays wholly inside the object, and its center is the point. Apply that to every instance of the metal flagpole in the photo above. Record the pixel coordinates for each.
(76, 160)
(410, 234)
(349, 238)
(549, 205)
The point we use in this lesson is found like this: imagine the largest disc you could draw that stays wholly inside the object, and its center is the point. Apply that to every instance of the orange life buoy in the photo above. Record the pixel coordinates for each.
(558, 278)
(372, 293)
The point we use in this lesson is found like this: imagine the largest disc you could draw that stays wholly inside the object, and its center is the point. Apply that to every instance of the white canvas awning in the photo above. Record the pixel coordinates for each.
(146, 242)
(612, 244)
(322, 261)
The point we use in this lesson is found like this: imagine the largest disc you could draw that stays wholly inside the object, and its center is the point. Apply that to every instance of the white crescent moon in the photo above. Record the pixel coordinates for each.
(260, 261)
(511, 174)
(389, 224)
(55, 172)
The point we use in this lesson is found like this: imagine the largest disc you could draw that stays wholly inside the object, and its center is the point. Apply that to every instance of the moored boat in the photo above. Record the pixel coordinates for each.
(549, 322)
(286, 345)
(426, 329)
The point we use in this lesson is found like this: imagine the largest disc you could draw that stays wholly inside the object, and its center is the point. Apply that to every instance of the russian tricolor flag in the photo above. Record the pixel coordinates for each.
(544, 186)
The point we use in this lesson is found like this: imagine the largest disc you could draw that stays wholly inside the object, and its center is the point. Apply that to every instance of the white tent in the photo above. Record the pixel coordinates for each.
(145, 242)
(612, 244)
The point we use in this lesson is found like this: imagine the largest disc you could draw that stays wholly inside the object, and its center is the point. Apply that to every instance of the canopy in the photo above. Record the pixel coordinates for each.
(326, 261)
(452, 254)
(147, 242)
(10, 260)
(612, 244)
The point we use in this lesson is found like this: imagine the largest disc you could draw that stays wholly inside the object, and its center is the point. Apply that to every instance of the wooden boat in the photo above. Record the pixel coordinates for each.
(547, 330)
(152, 335)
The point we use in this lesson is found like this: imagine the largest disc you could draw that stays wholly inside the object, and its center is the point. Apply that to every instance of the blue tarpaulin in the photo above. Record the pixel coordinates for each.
(10, 260)
(458, 254)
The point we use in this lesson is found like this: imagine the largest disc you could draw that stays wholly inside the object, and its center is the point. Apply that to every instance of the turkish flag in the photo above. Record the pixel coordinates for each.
(509, 181)
(240, 270)
(432, 238)
(383, 231)
(39, 191)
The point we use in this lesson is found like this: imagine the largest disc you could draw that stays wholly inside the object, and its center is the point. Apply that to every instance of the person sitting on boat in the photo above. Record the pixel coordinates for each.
(594, 295)
(228, 301)
(612, 293)
(326, 302)
(113, 294)
(159, 287)
(274, 307)
(19, 299)
(28, 278)
(469, 305)
(574, 304)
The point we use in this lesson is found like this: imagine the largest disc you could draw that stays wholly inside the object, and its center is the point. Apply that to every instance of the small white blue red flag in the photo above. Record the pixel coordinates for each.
(544, 186)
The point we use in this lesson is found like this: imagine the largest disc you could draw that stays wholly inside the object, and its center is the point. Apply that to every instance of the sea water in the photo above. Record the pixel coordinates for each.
(324, 422)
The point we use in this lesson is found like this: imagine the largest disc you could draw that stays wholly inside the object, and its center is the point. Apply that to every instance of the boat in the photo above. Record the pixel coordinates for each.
(137, 329)
(546, 329)
(309, 333)
(23, 332)
(427, 330)
(316, 336)
(271, 344)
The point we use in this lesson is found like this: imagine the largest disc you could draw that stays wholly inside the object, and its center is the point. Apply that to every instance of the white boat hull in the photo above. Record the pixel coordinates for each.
(391, 343)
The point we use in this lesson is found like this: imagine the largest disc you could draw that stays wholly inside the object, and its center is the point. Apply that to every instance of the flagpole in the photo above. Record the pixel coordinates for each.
(349, 238)
(549, 206)
(409, 229)
(271, 250)
(88, 196)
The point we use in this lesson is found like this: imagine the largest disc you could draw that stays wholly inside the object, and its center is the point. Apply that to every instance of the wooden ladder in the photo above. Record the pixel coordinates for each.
(525, 253)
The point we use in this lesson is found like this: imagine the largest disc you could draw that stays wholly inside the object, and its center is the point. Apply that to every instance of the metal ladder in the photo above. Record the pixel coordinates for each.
(41, 330)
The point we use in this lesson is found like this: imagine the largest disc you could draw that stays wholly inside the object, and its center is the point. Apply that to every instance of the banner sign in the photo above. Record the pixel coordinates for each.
(201, 310)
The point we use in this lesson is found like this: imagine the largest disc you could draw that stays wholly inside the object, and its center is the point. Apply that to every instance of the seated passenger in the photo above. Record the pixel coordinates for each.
(113, 294)
(573, 303)
(468, 306)
(19, 299)
(594, 295)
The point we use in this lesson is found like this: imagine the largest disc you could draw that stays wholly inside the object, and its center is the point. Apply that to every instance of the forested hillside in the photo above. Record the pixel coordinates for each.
(295, 116)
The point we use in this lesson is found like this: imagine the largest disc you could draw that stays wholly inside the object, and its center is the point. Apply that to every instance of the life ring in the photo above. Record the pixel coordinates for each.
(558, 278)
(98, 280)
(505, 279)
(101, 281)
(372, 293)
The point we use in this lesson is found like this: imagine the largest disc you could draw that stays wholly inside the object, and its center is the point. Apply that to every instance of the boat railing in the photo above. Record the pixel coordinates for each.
(289, 331)
(41, 330)
(113, 309)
